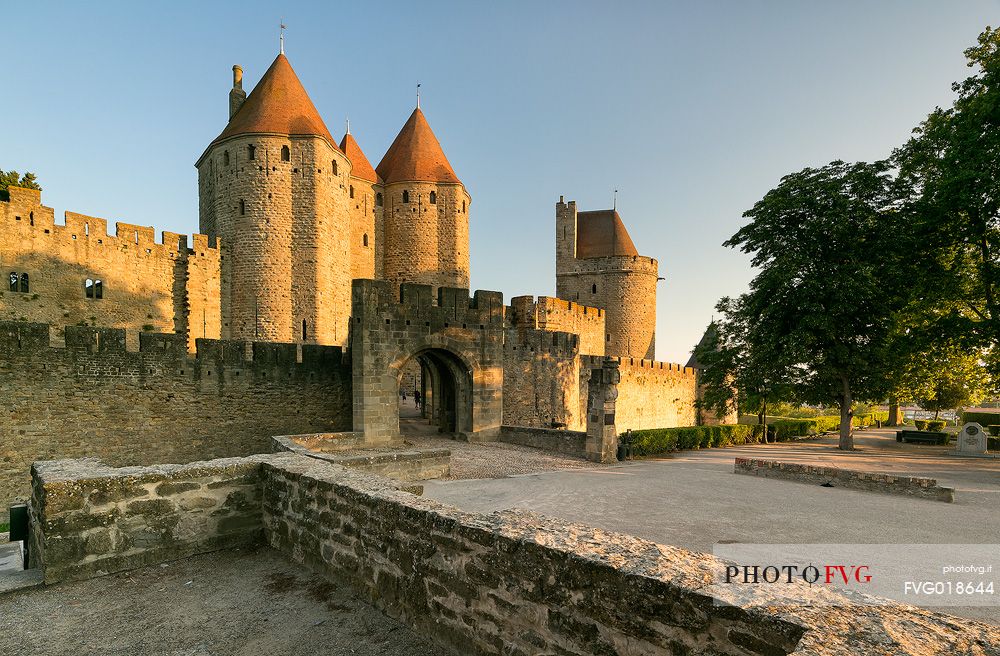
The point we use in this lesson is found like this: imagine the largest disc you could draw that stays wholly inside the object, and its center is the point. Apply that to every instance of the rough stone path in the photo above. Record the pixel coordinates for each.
(226, 603)
(489, 459)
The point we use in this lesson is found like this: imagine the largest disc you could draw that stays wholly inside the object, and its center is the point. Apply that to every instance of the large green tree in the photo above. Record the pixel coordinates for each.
(831, 281)
(14, 179)
(952, 166)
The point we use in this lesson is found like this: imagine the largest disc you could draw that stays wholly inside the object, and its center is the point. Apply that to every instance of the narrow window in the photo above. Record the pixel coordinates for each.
(98, 289)
(364, 240)
(609, 337)
(137, 236)
(352, 191)
(31, 218)
(13, 281)
(434, 198)
(251, 152)
(89, 288)
(225, 158)
(378, 200)
(304, 331)
(463, 207)
(593, 289)
(333, 165)
(243, 207)
(286, 155)
(406, 196)
(86, 228)
(24, 283)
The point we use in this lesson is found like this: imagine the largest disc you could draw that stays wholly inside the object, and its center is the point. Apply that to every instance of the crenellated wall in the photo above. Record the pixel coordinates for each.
(145, 285)
(556, 314)
(650, 394)
(158, 404)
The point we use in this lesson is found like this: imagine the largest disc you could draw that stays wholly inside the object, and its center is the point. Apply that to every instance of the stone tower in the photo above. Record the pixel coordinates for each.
(426, 224)
(274, 187)
(365, 196)
(598, 265)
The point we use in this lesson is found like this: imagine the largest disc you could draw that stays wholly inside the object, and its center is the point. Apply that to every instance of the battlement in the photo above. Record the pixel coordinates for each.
(529, 341)
(25, 212)
(596, 362)
(550, 313)
(167, 353)
(377, 300)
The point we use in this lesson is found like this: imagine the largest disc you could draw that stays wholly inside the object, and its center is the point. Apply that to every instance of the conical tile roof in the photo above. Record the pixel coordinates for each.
(360, 166)
(601, 233)
(416, 155)
(278, 105)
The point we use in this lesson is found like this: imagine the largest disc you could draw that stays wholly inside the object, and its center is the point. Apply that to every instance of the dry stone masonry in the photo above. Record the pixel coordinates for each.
(509, 582)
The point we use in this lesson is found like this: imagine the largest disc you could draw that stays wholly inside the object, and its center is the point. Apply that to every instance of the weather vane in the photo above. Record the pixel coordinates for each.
(418, 95)
(281, 38)
(614, 202)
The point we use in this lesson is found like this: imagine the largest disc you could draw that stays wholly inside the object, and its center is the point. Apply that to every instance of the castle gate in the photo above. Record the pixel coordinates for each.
(458, 342)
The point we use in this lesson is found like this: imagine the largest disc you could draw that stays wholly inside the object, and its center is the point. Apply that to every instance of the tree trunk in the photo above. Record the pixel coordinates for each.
(895, 414)
(762, 419)
(936, 413)
(846, 417)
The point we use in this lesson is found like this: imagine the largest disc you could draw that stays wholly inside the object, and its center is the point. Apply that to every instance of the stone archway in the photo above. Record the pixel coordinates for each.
(447, 382)
(460, 341)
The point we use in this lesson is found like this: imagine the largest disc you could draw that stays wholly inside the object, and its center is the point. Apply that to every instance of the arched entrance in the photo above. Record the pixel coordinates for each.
(458, 343)
(443, 383)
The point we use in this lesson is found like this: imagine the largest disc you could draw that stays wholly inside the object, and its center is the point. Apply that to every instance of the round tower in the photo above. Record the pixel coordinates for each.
(426, 210)
(366, 198)
(273, 187)
(598, 265)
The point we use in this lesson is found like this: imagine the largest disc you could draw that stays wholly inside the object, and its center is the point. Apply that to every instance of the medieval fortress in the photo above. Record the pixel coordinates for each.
(317, 286)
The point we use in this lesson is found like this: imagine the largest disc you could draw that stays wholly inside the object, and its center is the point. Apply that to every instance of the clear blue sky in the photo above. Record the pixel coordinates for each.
(692, 110)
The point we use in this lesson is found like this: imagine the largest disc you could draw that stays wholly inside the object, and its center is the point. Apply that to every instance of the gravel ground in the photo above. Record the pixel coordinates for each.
(220, 604)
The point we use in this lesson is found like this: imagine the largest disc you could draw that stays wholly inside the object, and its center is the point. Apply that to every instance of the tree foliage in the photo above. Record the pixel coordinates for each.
(13, 178)
(829, 284)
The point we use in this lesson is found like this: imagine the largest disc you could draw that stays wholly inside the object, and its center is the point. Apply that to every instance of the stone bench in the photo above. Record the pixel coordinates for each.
(927, 437)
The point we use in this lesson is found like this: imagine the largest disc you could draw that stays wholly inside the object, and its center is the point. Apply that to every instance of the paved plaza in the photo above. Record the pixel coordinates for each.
(694, 500)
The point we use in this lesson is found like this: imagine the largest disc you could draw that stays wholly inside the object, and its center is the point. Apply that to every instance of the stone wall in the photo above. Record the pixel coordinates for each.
(540, 379)
(509, 582)
(401, 465)
(650, 395)
(913, 486)
(568, 442)
(94, 398)
(558, 315)
(90, 519)
(144, 285)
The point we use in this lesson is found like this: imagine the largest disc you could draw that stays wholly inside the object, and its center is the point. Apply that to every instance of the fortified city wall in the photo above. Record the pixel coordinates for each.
(650, 395)
(541, 370)
(159, 404)
(557, 314)
(144, 285)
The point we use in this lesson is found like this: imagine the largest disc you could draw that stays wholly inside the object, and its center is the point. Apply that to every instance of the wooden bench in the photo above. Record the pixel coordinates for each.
(926, 437)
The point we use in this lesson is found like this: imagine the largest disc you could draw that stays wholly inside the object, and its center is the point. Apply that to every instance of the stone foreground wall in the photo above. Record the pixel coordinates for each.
(913, 486)
(94, 398)
(90, 519)
(510, 582)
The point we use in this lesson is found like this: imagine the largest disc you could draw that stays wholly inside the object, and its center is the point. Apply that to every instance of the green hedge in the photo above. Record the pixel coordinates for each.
(994, 430)
(661, 440)
(981, 418)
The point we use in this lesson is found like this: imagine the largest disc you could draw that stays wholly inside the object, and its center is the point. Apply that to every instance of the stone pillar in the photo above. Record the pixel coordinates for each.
(602, 438)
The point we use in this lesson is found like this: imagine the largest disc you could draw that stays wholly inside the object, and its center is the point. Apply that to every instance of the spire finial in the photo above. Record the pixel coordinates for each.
(614, 203)
(348, 129)
(281, 38)
(418, 95)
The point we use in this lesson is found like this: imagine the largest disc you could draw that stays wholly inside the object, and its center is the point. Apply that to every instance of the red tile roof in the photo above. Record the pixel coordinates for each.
(601, 233)
(360, 166)
(278, 105)
(416, 155)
